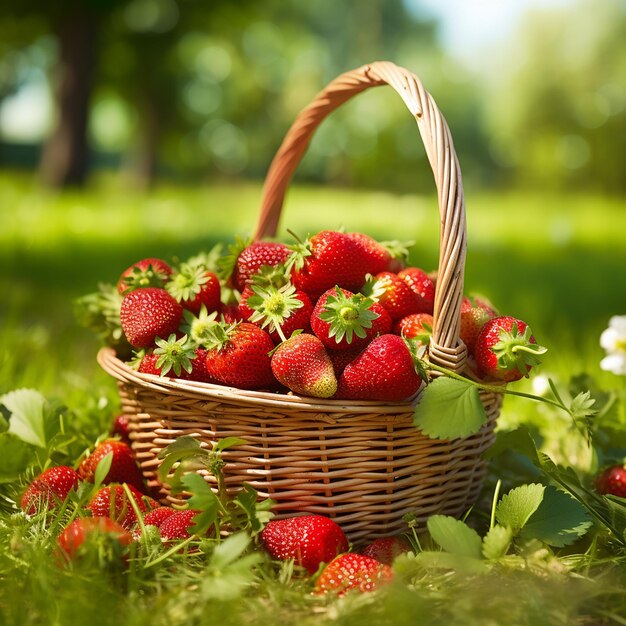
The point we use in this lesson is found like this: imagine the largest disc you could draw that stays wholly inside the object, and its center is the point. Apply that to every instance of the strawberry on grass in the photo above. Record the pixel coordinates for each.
(112, 501)
(72, 539)
(49, 489)
(309, 539)
(302, 364)
(350, 572)
(612, 480)
(178, 525)
(123, 468)
(386, 549)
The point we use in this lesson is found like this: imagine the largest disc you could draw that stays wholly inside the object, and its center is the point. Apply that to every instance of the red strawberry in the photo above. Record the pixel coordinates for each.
(246, 261)
(230, 313)
(384, 371)
(80, 530)
(341, 358)
(474, 314)
(279, 311)
(343, 320)
(123, 466)
(157, 516)
(416, 328)
(394, 294)
(422, 284)
(50, 488)
(386, 549)
(301, 363)
(147, 363)
(194, 286)
(612, 481)
(148, 313)
(145, 273)
(309, 539)
(353, 571)
(238, 355)
(121, 428)
(177, 525)
(505, 349)
(112, 501)
(327, 259)
(178, 358)
(387, 256)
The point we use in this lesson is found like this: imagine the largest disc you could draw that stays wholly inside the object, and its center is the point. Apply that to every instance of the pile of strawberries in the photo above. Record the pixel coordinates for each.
(336, 316)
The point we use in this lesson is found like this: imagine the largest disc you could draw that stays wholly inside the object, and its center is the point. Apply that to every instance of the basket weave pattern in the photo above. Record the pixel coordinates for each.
(362, 463)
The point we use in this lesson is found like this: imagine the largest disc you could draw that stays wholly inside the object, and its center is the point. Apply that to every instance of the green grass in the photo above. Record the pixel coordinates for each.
(556, 261)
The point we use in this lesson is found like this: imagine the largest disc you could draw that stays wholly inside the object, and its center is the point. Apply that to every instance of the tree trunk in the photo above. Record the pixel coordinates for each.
(64, 159)
(146, 158)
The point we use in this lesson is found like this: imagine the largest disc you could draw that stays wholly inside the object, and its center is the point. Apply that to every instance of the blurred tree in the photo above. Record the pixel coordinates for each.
(558, 114)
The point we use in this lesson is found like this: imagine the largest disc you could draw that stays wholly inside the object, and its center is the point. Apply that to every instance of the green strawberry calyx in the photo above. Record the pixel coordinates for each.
(272, 307)
(299, 252)
(188, 282)
(398, 249)
(226, 264)
(197, 327)
(516, 351)
(218, 336)
(373, 288)
(174, 354)
(271, 276)
(148, 277)
(348, 315)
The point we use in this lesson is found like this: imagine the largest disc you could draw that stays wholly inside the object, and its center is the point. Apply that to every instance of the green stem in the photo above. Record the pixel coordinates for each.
(496, 493)
(497, 388)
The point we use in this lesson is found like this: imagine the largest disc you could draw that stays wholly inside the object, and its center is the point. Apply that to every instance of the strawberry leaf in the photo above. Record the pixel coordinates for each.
(517, 506)
(454, 536)
(497, 541)
(204, 500)
(27, 421)
(449, 409)
(102, 469)
(186, 451)
(558, 521)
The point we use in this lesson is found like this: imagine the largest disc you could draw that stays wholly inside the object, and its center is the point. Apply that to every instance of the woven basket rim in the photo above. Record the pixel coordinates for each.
(108, 360)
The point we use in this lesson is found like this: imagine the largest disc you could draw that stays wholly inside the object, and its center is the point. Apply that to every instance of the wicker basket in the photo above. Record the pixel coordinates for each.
(364, 464)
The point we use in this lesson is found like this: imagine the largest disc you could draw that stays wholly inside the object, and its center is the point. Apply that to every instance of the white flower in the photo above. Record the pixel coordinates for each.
(613, 340)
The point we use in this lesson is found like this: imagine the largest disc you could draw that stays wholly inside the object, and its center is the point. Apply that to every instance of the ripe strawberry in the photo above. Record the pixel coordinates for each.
(612, 481)
(112, 501)
(422, 284)
(86, 528)
(279, 311)
(385, 256)
(177, 525)
(238, 355)
(178, 358)
(230, 314)
(394, 294)
(505, 349)
(302, 364)
(384, 371)
(416, 328)
(353, 571)
(157, 516)
(343, 320)
(246, 260)
(148, 313)
(386, 549)
(194, 286)
(474, 314)
(145, 273)
(341, 358)
(121, 428)
(50, 488)
(327, 259)
(309, 539)
(123, 466)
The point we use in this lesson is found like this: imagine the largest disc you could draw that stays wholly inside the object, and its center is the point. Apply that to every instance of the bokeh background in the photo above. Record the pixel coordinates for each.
(133, 128)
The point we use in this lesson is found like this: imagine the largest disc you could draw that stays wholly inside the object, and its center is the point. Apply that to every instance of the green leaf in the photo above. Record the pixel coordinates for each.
(102, 469)
(27, 415)
(258, 512)
(516, 507)
(455, 536)
(449, 409)
(181, 449)
(581, 405)
(15, 457)
(204, 500)
(229, 550)
(445, 560)
(559, 520)
(497, 542)
(228, 442)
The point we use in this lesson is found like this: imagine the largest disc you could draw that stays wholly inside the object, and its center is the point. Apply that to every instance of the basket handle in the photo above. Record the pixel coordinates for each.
(445, 349)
